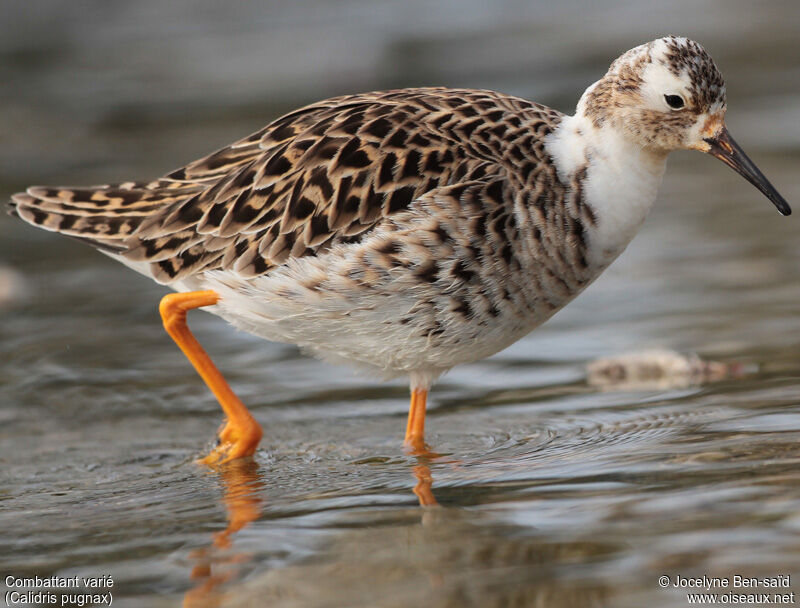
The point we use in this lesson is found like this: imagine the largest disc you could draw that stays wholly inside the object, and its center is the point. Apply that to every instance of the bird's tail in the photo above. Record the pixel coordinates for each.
(103, 216)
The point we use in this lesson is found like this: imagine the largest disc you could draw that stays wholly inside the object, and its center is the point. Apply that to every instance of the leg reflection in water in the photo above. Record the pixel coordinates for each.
(422, 471)
(219, 563)
(243, 485)
(423, 488)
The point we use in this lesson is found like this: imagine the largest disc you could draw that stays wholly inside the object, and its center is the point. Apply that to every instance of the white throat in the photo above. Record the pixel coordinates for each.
(621, 181)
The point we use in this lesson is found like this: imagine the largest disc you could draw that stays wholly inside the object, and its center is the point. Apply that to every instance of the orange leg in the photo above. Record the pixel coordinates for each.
(415, 429)
(241, 433)
(415, 444)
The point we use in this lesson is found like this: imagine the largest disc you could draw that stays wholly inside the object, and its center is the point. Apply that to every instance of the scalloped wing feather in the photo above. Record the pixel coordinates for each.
(324, 174)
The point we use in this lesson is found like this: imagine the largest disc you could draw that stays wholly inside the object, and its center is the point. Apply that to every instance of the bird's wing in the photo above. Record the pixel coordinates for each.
(327, 173)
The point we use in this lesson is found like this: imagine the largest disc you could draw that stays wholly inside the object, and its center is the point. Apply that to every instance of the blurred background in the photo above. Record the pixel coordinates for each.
(553, 490)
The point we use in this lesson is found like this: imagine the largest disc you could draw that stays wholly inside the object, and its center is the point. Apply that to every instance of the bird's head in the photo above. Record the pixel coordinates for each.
(669, 95)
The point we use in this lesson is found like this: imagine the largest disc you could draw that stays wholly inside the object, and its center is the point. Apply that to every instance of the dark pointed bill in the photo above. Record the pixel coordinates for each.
(725, 148)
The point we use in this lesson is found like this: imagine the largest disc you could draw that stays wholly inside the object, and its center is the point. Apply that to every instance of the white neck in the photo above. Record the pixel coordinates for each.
(621, 181)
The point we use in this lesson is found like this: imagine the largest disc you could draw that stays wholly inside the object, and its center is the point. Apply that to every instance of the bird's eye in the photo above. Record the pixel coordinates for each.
(674, 101)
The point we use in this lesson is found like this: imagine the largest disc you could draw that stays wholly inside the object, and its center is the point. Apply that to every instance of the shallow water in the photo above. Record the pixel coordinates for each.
(550, 491)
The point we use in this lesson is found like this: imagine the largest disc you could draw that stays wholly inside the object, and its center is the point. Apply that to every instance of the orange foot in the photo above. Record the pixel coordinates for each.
(234, 442)
(416, 446)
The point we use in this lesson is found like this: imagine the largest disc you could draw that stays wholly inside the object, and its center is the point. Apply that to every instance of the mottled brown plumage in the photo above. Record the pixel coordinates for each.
(327, 173)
